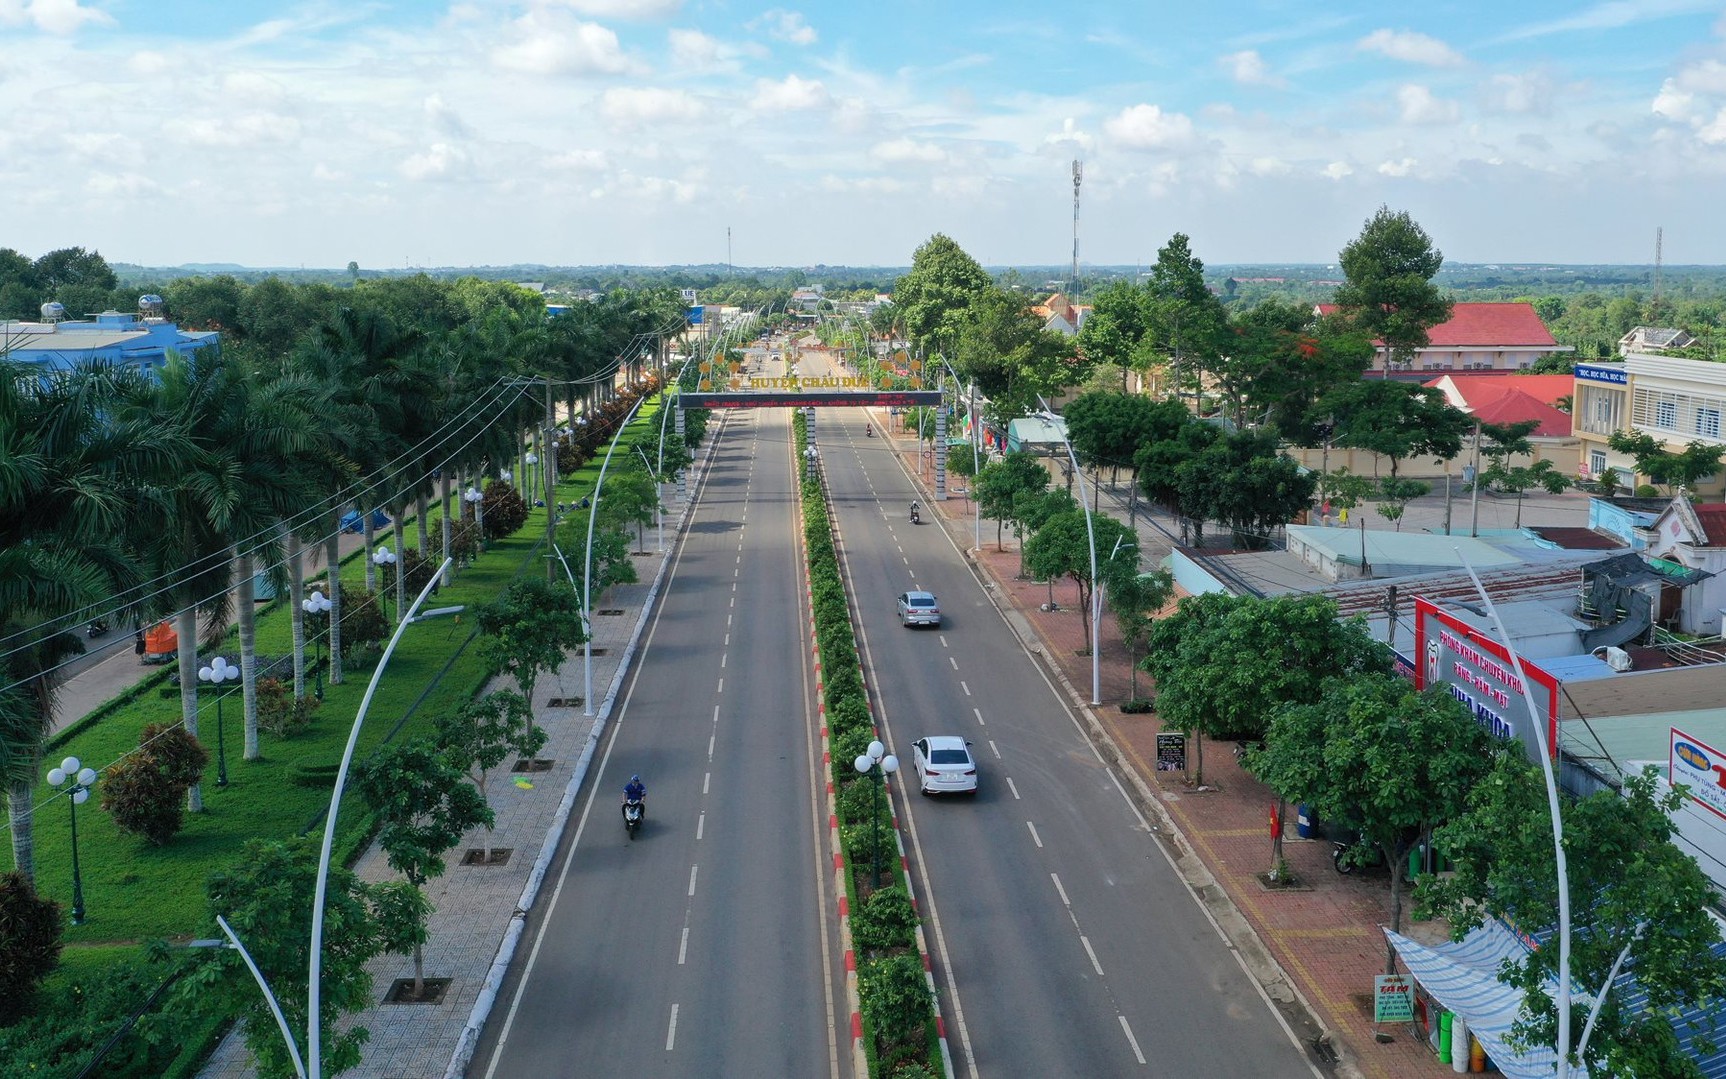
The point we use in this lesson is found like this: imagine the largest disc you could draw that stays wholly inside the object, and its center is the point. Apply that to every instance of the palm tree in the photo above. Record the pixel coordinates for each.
(71, 479)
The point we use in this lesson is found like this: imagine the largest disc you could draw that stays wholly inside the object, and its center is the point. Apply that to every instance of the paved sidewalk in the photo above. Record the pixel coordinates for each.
(1320, 944)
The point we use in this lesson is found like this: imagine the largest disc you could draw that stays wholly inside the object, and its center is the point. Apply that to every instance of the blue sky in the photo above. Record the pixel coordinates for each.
(639, 131)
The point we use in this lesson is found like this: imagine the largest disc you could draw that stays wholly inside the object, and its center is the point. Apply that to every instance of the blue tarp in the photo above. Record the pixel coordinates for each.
(352, 523)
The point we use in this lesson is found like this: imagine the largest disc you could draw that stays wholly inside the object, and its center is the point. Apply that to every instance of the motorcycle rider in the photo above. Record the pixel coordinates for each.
(914, 509)
(636, 791)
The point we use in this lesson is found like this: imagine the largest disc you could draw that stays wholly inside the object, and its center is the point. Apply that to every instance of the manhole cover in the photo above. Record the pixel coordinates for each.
(612, 611)
(401, 991)
(565, 702)
(476, 856)
(537, 764)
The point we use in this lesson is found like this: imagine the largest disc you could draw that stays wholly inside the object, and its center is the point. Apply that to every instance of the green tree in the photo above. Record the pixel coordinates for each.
(1518, 479)
(1158, 465)
(30, 928)
(1003, 348)
(1000, 484)
(1184, 321)
(1388, 290)
(1695, 462)
(1397, 420)
(629, 499)
(146, 789)
(1031, 508)
(1280, 361)
(941, 286)
(1062, 547)
(268, 899)
(1373, 753)
(1395, 493)
(1242, 480)
(1135, 598)
(486, 731)
(528, 629)
(423, 804)
(1636, 889)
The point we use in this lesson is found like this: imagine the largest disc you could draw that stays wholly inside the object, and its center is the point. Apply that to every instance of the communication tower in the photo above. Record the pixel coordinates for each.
(1078, 176)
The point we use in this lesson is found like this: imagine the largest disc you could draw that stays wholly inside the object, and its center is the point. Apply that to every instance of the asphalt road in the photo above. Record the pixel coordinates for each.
(1065, 943)
(708, 945)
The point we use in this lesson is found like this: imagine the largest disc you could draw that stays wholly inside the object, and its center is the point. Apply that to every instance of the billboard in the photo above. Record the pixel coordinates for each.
(793, 399)
(696, 315)
(1702, 768)
(1478, 672)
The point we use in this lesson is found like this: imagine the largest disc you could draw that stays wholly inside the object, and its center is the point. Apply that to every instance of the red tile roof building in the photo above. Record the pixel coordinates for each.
(1492, 398)
(1496, 337)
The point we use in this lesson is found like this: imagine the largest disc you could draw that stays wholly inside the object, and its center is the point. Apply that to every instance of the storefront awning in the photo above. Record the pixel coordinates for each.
(1463, 976)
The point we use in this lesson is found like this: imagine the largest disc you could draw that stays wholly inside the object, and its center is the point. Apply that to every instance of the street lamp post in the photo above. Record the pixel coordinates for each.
(317, 605)
(382, 557)
(74, 779)
(219, 671)
(587, 557)
(314, 978)
(530, 478)
(474, 498)
(1091, 538)
(658, 509)
(877, 764)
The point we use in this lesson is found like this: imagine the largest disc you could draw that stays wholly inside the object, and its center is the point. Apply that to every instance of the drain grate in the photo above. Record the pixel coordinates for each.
(566, 702)
(537, 764)
(476, 856)
(610, 611)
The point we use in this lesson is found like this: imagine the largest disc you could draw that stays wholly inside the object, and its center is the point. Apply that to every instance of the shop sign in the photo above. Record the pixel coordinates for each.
(1612, 374)
(1701, 768)
(1478, 672)
(1171, 752)
(1392, 998)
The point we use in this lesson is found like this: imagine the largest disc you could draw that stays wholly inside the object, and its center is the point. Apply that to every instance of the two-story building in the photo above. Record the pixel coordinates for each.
(1496, 337)
(1678, 401)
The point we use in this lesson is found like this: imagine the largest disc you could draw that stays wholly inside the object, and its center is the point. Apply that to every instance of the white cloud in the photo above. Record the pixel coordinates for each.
(1248, 68)
(1268, 166)
(443, 119)
(864, 185)
(121, 183)
(903, 151)
(625, 9)
(1397, 168)
(662, 189)
(1147, 127)
(1410, 47)
(1673, 103)
(1714, 133)
(247, 129)
(148, 63)
(694, 51)
(52, 16)
(1337, 170)
(1069, 135)
(439, 161)
(785, 26)
(791, 95)
(1693, 96)
(581, 160)
(644, 106)
(1418, 106)
(1529, 94)
(549, 43)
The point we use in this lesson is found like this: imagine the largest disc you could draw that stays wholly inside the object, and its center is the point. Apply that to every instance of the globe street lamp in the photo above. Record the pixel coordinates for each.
(878, 764)
(219, 671)
(529, 477)
(317, 605)
(74, 779)
(474, 498)
(382, 557)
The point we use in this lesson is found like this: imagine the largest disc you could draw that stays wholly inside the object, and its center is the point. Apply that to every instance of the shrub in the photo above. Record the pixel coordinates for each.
(315, 772)
(862, 841)
(850, 745)
(896, 1003)
(1647, 490)
(505, 512)
(841, 682)
(856, 799)
(279, 712)
(146, 790)
(363, 621)
(847, 714)
(76, 1015)
(885, 920)
(30, 928)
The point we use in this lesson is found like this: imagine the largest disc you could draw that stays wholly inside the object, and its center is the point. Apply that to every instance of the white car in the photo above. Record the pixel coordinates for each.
(944, 765)
(919, 609)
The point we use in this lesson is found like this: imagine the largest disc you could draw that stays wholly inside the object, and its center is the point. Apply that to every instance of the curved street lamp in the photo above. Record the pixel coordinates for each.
(74, 779)
(474, 498)
(878, 764)
(316, 605)
(219, 671)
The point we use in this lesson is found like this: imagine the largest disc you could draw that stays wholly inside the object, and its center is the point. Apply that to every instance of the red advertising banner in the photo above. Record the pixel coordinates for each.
(1478, 672)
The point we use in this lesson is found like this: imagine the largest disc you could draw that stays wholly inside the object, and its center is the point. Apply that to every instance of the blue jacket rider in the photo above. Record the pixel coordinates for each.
(635, 789)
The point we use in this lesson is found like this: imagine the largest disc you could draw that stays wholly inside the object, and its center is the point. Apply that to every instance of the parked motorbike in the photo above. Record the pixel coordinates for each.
(96, 628)
(634, 811)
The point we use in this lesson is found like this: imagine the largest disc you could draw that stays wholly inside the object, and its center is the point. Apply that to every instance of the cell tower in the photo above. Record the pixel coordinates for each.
(1659, 238)
(1078, 176)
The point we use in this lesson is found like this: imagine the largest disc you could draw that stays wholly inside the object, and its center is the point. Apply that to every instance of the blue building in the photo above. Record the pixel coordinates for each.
(141, 339)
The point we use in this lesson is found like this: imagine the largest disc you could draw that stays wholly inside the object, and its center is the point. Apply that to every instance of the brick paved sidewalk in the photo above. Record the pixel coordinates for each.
(1325, 936)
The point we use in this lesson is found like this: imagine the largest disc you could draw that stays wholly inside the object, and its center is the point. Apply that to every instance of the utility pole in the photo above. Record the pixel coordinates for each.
(549, 459)
(1474, 489)
(1390, 610)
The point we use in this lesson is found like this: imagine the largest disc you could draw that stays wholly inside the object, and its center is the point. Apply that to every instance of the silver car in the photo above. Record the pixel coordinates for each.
(919, 609)
(944, 765)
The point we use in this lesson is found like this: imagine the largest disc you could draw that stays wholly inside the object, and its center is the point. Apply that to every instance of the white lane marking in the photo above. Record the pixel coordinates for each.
(978, 712)
(1086, 941)
(1064, 900)
(683, 947)
(737, 571)
(721, 685)
(1012, 787)
(943, 639)
(700, 826)
(727, 641)
(995, 749)
(733, 602)
(965, 687)
(1143, 823)
(728, 626)
(671, 1032)
(722, 658)
(705, 780)
(692, 871)
(954, 662)
(1034, 836)
(716, 720)
(1132, 1041)
(710, 739)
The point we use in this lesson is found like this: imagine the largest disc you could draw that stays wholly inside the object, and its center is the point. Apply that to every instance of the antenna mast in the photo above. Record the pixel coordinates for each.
(1078, 175)
(728, 270)
(1659, 240)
